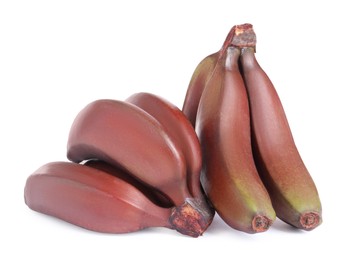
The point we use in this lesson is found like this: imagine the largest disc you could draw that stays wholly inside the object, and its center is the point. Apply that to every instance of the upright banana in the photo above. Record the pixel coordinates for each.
(229, 175)
(200, 77)
(292, 190)
(239, 35)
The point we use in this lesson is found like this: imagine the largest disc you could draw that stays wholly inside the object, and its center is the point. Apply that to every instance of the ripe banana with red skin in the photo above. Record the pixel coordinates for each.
(92, 199)
(292, 190)
(126, 136)
(152, 194)
(179, 129)
(239, 35)
(229, 177)
(201, 75)
(122, 134)
(182, 133)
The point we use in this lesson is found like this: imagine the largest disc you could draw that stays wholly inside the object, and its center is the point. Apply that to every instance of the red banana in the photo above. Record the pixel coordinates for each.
(292, 190)
(239, 35)
(92, 199)
(126, 136)
(200, 77)
(229, 175)
(152, 194)
(179, 129)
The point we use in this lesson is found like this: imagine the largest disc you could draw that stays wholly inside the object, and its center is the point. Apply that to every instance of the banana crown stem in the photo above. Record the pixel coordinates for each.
(240, 36)
(192, 218)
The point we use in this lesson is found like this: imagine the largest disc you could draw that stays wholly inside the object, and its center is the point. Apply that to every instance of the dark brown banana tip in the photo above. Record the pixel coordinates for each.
(310, 220)
(192, 218)
(261, 223)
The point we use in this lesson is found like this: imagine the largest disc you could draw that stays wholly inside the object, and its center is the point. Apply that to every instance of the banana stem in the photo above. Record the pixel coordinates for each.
(240, 36)
(192, 218)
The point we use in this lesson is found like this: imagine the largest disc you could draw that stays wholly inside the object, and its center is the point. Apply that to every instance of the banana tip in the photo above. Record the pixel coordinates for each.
(310, 220)
(261, 223)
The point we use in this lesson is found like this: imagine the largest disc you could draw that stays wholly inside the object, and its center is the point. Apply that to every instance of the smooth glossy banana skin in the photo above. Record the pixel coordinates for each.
(197, 83)
(239, 36)
(92, 199)
(124, 135)
(153, 195)
(292, 190)
(229, 175)
(179, 129)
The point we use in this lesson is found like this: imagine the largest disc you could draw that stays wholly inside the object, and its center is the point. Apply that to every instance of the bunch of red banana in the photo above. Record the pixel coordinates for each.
(135, 164)
(252, 170)
(140, 163)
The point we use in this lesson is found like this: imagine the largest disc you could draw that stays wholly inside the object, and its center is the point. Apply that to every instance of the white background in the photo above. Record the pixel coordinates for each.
(57, 56)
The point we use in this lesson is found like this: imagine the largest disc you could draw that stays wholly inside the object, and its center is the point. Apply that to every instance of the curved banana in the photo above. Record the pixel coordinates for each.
(179, 129)
(240, 36)
(126, 136)
(201, 75)
(92, 199)
(229, 175)
(292, 190)
(153, 195)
